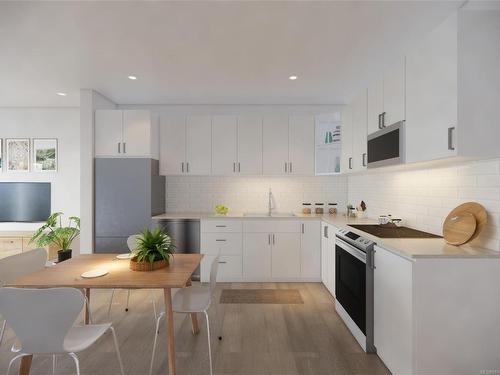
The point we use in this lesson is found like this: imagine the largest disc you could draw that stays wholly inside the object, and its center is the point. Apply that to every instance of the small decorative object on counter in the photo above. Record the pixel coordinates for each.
(361, 209)
(306, 208)
(153, 251)
(332, 208)
(319, 210)
(350, 211)
(220, 209)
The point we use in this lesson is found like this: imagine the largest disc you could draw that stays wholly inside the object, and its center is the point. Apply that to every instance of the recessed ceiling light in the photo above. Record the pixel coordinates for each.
(293, 78)
(62, 94)
(133, 78)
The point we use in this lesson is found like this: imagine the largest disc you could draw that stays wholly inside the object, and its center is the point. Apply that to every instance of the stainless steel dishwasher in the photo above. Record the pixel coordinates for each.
(185, 234)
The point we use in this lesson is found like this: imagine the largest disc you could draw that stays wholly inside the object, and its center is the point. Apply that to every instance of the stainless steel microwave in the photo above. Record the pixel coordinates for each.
(387, 146)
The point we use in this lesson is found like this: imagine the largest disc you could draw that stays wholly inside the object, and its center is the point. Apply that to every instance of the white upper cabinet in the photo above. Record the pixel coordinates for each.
(198, 145)
(359, 135)
(275, 145)
(108, 132)
(375, 106)
(431, 95)
(250, 145)
(125, 133)
(173, 145)
(346, 134)
(301, 150)
(137, 133)
(394, 93)
(224, 145)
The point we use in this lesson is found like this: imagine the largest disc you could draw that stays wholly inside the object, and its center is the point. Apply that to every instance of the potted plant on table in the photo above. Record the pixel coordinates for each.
(153, 251)
(53, 232)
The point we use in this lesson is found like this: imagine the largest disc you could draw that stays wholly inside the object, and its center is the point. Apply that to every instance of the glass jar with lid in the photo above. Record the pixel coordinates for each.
(319, 208)
(306, 208)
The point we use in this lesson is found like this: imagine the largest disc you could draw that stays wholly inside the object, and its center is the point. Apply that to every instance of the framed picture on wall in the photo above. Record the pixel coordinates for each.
(17, 155)
(44, 155)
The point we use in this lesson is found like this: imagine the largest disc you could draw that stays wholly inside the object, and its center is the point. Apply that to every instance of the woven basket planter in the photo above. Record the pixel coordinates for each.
(147, 266)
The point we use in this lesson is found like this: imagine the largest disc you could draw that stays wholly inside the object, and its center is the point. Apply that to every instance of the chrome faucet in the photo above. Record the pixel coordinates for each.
(270, 203)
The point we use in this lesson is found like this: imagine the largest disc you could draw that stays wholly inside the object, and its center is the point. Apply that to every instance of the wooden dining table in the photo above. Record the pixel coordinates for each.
(68, 274)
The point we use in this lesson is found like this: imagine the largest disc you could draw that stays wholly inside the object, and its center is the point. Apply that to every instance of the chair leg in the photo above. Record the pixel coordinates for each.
(117, 350)
(14, 360)
(54, 364)
(209, 345)
(128, 299)
(154, 304)
(157, 329)
(111, 302)
(77, 363)
(2, 331)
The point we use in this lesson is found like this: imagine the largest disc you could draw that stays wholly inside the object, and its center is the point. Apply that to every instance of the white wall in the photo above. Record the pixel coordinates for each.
(250, 194)
(423, 198)
(60, 123)
(90, 100)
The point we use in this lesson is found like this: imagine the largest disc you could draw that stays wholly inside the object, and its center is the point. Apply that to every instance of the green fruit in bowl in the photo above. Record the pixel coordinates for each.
(221, 209)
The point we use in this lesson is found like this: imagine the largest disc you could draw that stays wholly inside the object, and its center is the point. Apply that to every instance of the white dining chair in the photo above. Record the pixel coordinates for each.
(43, 322)
(193, 299)
(17, 266)
(132, 244)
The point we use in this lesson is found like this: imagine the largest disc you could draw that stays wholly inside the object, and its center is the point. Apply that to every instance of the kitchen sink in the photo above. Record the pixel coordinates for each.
(274, 214)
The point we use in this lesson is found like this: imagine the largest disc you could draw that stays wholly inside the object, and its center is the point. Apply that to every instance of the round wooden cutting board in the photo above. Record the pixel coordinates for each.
(458, 229)
(475, 209)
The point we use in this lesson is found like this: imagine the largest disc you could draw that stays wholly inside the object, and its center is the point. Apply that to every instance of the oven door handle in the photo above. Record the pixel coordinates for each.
(351, 250)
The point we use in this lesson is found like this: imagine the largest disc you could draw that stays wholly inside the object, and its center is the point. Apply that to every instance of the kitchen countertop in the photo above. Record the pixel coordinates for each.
(409, 248)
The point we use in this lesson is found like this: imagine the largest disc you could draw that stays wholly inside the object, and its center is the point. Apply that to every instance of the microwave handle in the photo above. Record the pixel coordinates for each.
(350, 163)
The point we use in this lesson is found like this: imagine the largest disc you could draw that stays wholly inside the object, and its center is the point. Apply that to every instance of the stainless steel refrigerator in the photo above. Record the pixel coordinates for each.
(128, 191)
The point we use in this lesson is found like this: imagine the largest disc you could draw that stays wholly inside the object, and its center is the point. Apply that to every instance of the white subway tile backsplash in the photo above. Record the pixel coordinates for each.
(423, 198)
(250, 194)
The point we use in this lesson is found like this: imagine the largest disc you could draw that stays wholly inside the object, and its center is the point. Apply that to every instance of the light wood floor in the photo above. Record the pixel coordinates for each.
(258, 339)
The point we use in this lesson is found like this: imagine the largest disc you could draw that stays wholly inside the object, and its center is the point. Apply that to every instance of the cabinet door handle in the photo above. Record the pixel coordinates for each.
(124, 147)
(303, 229)
(222, 262)
(269, 239)
(182, 167)
(450, 138)
(220, 240)
(220, 226)
(350, 163)
(274, 240)
(364, 159)
(383, 119)
(286, 171)
(239, 167)
(234, 167)
(290, 169)
(119, 148)
(325, 232)
(380, 120)
(187, 167)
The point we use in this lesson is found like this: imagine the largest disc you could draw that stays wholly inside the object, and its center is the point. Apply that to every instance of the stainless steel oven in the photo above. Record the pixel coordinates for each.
(354, 285)
(387, 146)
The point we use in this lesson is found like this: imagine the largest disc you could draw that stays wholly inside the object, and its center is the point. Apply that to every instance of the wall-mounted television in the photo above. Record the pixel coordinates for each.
(24, 201)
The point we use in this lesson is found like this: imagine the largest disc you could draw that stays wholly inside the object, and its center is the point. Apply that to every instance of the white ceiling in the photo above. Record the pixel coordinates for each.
(203, 52)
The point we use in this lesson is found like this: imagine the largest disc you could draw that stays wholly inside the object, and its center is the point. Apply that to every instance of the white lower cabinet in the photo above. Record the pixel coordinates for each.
(392, 311)
(285, 256)
(328, 256)
(257, 256)
(229, 268)
(262, 250)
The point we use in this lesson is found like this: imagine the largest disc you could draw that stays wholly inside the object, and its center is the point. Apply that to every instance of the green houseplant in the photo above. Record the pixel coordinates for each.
(153, 251)
(53, 232)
